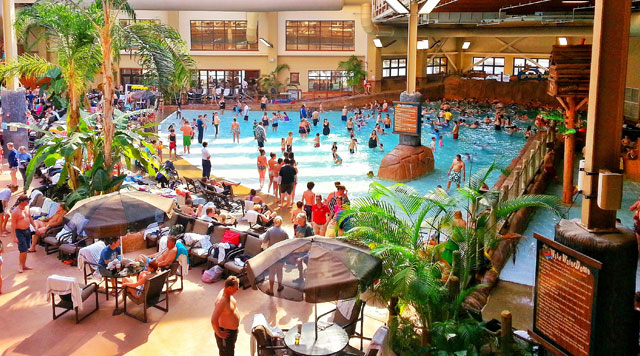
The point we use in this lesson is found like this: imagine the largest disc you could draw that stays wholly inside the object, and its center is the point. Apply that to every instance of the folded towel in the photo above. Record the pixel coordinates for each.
(62, 285)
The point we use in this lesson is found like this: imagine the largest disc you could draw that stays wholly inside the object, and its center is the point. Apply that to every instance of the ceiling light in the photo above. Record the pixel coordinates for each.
(466, 45)
(424, 44)
(428, 7)
(377, 42)
(265, 42)
(575, 1)
(397, 6)
(562, 41)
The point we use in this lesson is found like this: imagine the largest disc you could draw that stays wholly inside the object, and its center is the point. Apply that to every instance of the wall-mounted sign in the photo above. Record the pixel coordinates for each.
(564, 298)
(533, 74)
(406, 118)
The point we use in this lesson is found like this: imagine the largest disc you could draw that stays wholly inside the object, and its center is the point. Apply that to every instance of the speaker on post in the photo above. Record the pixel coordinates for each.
(609, 190)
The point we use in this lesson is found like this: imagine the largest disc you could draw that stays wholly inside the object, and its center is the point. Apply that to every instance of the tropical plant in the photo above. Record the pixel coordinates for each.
(129, 145)
(556, 116)
(269, 83)
(432, 279)
(354, 70)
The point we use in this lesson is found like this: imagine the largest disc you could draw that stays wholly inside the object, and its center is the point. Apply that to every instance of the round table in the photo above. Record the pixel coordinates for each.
(113, 274)
(331, 339)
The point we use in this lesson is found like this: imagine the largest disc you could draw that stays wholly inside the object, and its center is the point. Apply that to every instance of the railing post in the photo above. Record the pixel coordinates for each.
(506, 333)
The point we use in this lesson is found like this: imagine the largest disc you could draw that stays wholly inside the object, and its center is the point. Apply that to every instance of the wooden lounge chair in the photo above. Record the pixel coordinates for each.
(66, 303)
(175, 274)
(50, 241)
(252, 246)
(152, 295)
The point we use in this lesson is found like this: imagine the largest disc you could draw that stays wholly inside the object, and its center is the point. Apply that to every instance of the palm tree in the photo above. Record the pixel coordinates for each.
(354, 69)
(397, 223)
(270, 81)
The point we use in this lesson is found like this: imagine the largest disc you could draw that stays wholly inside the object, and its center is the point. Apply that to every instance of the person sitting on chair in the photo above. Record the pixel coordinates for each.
(137, 293)
(42, 225)
(253, 197)
(188, 208)
(164, 258)
(265, 218)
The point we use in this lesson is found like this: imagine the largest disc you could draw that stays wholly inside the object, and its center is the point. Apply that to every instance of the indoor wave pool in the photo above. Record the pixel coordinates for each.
(479, 148)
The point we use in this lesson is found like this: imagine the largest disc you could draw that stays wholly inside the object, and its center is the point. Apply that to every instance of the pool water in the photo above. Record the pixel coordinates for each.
(479, 147)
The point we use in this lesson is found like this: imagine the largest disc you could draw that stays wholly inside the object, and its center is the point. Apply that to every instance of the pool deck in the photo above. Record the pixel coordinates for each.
(28, 328)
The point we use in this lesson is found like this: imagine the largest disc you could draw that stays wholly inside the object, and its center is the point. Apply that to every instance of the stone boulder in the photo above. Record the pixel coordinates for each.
(405, 163)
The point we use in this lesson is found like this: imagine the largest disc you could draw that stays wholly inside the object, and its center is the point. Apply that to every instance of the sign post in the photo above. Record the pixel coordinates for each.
(564, 299)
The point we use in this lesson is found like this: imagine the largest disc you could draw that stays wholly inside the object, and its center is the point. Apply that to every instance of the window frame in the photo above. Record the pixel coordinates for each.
(228, 30)
(294, 77)
(489, 63)
(129, 73)
(395, 67)
(302, 35)
(327, 80)
(221, 75)
(442, 68)
(518, 68)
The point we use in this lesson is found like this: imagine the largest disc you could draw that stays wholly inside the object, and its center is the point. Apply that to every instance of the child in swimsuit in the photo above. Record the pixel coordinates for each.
(316, 141)
(283, 145)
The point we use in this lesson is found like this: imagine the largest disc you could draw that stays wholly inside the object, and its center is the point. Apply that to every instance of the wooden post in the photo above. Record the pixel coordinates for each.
(606, 95)
(506, 333)
(569, 150)
(10, 41)
(412, 47)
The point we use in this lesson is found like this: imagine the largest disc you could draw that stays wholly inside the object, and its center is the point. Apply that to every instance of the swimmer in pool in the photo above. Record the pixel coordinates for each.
(336, 158)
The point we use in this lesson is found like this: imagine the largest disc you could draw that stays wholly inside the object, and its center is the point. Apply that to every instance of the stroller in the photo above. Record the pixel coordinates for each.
(173, 178)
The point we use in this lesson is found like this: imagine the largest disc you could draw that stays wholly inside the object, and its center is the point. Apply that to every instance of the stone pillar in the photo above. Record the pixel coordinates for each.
(14, 107)
(615, 330)
(606, 94)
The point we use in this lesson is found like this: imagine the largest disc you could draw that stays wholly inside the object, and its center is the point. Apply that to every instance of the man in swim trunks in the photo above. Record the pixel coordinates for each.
(456, 172)
(350, 125)
(21, 221)
(344, 113)
(187, 132)
(456, 129)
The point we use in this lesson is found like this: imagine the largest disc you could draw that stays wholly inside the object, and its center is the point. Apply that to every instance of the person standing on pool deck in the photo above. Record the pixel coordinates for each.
(271, 166)
(287, 177)
(457, 167)
(263, 103)
(262, 167)
(245, 112)
(206, 160)
(456, 129)
(225, 318)
(308, 197)
(187, 132)
(21, 221)
(201, 125)
(344, 113)
(303, 112)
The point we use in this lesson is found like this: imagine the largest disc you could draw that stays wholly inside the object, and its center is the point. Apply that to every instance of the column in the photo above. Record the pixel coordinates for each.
(10, 42)
(606, 95)
(412, 47)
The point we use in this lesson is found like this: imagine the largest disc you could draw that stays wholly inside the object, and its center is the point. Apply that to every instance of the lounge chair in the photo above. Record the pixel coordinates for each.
(88, 258)
(152, 295)
(65, 299)
(252, 247)
(52, 241)
(175, 274)
(216, 237)
(349, 323)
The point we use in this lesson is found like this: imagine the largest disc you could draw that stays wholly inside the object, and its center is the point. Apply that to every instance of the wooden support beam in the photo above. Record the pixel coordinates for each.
(569, 150)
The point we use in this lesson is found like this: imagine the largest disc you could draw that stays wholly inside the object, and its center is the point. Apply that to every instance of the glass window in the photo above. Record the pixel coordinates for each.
(437, 65)
(490, 66)
(220, 36)
(232, 79)
(395, 67)
(328, 80)
(520, 64)
(320, 35)
(131, 76)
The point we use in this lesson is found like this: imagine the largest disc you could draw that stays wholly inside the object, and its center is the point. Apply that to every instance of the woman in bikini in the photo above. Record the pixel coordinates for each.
(235, 130)
(262, 167)
(302, 129)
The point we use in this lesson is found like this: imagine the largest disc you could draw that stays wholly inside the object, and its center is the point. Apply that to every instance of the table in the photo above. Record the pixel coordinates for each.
(112, 274)
(331, 339)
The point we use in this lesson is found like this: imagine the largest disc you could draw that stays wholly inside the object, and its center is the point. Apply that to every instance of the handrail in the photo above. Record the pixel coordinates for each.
(526, 168)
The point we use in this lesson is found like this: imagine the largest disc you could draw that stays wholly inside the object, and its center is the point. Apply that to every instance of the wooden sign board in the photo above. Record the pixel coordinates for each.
(564, 298)
(406, 118)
